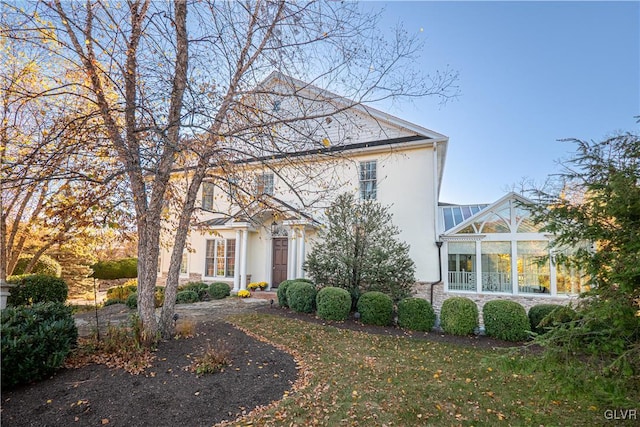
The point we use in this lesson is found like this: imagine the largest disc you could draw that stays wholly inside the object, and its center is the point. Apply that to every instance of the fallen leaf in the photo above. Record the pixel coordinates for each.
(105, 421)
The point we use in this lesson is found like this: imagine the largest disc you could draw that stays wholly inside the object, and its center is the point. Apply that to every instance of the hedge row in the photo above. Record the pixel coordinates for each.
(189, 293)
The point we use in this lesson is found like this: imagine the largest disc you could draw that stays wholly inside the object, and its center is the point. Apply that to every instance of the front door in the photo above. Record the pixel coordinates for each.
(280, 256)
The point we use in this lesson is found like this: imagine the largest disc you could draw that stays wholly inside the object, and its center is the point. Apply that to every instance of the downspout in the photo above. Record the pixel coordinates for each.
(432, 284)
(436, 196)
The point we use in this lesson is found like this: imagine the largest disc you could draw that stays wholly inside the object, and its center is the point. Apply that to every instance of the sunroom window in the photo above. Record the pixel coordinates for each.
(496, 267)
(462, 266)
(533, 267)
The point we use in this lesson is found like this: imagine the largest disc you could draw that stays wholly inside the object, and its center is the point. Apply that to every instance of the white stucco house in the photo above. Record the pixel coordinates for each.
(481, 251)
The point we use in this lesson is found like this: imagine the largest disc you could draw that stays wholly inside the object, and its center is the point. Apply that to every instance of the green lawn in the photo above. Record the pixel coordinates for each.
(353, 378)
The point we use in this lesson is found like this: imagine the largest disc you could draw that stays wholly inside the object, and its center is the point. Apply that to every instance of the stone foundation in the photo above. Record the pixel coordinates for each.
(423, 290)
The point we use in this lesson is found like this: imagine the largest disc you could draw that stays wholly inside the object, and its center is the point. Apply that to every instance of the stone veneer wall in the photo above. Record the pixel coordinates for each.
(423, 290)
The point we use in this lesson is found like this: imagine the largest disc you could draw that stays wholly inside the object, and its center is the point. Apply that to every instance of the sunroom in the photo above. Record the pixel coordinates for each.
(499, 250)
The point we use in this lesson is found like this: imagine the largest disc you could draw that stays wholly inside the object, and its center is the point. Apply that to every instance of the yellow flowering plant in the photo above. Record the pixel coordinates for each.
(243, 293)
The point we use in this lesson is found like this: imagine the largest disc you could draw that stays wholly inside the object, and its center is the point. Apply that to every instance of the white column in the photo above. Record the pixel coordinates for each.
(236, 269)
(243, 260)
(268, 268)
(301, 248)
(478, 266)
(293, 249)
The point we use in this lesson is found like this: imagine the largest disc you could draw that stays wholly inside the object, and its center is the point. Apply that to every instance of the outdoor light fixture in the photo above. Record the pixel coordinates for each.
(274, 225)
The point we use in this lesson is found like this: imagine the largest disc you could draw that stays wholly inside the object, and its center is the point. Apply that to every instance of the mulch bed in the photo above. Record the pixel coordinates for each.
(168, 394)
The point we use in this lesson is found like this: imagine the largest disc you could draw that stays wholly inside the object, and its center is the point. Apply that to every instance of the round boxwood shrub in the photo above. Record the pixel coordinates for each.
(416, 314)
(45, 265)
(539, 312)
(200, 288)
(506, 320)
(459, 316)
(35, 341)
(35, 288)
(333, 303)
(187, 297)
(219, 290)
(282, 292)
(561, 314)
(301, 297)
(375, 308)
(132, 300)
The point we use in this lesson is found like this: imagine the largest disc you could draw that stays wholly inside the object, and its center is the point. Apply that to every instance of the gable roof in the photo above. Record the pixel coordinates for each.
(411, 131)
(492, 207)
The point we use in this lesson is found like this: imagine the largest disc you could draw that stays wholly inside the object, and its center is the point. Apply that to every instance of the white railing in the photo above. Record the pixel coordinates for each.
(462, 281)
(497, 282)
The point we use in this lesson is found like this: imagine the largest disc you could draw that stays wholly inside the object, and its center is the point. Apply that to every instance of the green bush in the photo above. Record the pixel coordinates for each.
(119, 269)
(35, 288)
(132, 300)
(375, 308)
(123, 291)
(219, 290)
(459, 316)
(560, 315)
(506, 320)
(301, 297)
(187, 297)
(333, 303)
(282, 292)
(45, 265)
(539, 312)
(35, 341)
(416, 314)
(200, 288)
(113, 301)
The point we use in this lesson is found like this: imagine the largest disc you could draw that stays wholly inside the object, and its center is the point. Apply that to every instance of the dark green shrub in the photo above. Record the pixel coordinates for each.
(537, 313)
(187, 297)
(35, 341)
(333, 303)
(416, 314)
(301, 297)
(375, 308)
(200, 288)
(300, 279)
(132, 300)
(459, 316)
(35, 288)
(560, 315)
(506, 320)
(219, 290)
(45, 265)
(114, 301)
(282, 292)
(118, 269)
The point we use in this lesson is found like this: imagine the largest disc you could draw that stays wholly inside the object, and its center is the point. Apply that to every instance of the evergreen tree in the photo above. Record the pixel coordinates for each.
(358, 251)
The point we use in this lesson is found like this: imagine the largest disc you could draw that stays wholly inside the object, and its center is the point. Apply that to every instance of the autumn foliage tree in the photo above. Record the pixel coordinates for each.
(177, 90)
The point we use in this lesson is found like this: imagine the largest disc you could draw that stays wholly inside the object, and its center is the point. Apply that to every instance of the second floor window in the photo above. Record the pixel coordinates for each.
(264, 184)
(368, 180)
(207, 196)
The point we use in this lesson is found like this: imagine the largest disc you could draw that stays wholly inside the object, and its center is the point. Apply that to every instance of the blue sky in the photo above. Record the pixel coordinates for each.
(531, 73)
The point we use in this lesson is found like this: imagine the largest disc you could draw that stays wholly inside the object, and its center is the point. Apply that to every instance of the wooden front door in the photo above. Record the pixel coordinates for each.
(280, 256)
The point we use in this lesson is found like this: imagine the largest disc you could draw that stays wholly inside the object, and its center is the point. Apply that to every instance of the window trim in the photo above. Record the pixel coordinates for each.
(368, 175)
(226, 259)
(207, 199)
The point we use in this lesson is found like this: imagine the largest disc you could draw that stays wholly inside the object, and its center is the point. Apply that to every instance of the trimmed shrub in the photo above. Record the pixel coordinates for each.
(561, 314)
(187, 297)
(282, 292)
(200, 288)
(123, 291)
(506, 320)
(132, 300)
(114, 301)
(118, 269)
(300, 279)
(375, 308)
(219, 290)
(35, 288)
(35, 341)
(333, 303)
(45, 265)
(459, 316)
(416, 314)
(539, 312)
(301, 297)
